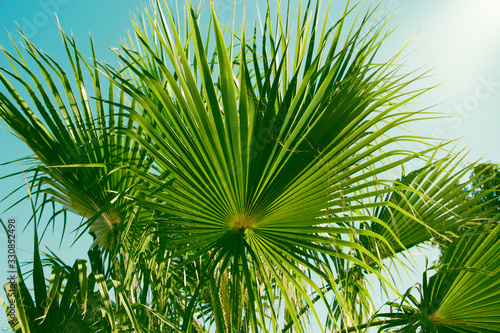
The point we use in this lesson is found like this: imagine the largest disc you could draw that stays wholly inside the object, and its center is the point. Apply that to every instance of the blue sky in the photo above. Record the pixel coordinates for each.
(460, 39)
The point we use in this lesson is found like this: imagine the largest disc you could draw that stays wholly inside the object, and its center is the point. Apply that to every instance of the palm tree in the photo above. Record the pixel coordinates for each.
(242, 184)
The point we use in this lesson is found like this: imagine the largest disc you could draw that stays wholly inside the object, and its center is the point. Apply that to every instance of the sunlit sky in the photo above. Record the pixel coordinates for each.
(459, 39)
(467, 43)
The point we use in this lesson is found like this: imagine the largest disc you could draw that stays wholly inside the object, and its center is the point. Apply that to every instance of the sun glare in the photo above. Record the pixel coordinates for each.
(466, 38)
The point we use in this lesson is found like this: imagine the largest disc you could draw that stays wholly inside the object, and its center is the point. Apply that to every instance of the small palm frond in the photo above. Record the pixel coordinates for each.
(465, 291)
(71, 300)
(439, 202)
(462, 296)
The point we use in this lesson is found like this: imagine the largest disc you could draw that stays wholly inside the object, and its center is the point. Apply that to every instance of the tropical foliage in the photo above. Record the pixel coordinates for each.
(461, 296)
(244, 184)
(489, 181)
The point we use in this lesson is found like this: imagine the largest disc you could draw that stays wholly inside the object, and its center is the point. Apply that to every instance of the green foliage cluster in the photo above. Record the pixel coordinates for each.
(241, 182)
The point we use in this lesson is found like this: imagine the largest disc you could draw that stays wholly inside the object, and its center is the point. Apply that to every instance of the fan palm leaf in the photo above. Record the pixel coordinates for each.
(462, 296)
(277, 161)
(465, 293)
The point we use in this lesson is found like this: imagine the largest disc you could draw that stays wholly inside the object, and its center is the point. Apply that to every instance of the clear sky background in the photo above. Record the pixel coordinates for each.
(460, 39)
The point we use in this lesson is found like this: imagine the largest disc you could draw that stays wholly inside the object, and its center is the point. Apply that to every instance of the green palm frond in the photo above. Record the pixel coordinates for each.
(72, 300)
(81, 158)
(462, 296)
(277, 160)
(439, 201)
